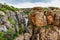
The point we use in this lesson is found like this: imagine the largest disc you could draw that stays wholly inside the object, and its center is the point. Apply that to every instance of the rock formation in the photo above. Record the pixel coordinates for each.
(49, 17)
(57, 17)
(44, 25)
(39, 25)
(37, 20)
(36, 17)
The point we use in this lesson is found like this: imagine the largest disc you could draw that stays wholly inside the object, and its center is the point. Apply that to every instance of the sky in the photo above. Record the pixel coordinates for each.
(32, 3)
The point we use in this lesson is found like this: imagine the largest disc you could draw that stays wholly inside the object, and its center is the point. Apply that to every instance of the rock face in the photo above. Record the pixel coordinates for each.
(11, 18)
(36, 17)
(3, 20)
(57, 18)
(11, 14)
(50, 17)
(49, 34)
(37, 20)
(21, 16)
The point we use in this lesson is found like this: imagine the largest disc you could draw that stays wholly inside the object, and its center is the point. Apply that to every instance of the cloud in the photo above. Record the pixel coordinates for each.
(9, 1)
(22, 1)
(52, 3)
(34, 1)
(29, 5)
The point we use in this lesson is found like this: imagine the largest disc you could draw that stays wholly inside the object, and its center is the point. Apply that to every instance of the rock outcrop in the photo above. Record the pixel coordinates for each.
(36, 17)
(9, 19)
(47, 26)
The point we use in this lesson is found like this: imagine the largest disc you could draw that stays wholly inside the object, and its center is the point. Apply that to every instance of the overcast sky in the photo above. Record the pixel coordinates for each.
(32, 3)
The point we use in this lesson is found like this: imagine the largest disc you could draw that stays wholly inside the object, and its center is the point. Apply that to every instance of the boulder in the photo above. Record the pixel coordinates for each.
(3, 28)
(2, 13)
(27, 36)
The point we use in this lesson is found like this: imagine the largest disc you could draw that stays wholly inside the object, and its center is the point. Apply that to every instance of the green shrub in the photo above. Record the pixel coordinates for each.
(1, 36)
(11, 21)
(49, 26)
(10, 35)
(20, 30)
(15, 35)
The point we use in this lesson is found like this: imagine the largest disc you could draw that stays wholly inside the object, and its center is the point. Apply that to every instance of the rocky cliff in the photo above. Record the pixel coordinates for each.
(41, 23)
(47, 25)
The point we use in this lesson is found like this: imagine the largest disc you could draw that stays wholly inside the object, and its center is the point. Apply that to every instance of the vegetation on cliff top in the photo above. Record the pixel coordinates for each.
(4, 7)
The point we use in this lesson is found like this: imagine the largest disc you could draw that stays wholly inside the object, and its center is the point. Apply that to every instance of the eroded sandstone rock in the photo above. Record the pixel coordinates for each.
(36, 17)
(50, 17)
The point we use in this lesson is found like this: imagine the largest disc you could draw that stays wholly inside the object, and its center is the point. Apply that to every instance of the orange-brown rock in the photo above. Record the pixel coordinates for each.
(49, 17)
(36, 16)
